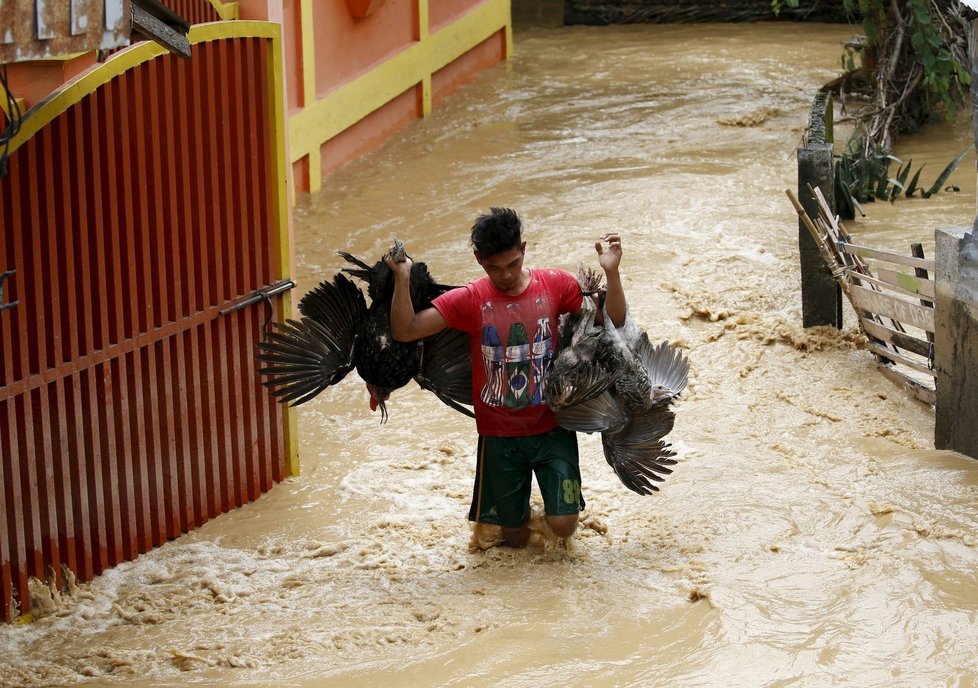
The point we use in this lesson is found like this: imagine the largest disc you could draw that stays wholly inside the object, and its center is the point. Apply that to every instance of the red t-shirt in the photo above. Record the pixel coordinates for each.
(513, 339)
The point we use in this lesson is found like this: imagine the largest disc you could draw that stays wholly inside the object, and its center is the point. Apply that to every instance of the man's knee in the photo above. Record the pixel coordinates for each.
(564, 525)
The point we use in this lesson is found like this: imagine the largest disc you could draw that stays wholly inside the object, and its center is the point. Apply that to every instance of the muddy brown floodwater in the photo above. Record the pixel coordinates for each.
(810, 535)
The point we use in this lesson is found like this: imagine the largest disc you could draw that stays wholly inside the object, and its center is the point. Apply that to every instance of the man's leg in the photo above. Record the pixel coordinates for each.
(501, 495)
(563, 525)
(517, 537)
(558, 472)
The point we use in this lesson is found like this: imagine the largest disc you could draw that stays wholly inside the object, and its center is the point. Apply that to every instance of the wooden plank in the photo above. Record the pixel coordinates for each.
(919, 390)
(902, 360)
(885, 256)
(898, 339)
(909, 284)
(917, 251)
(890, 306)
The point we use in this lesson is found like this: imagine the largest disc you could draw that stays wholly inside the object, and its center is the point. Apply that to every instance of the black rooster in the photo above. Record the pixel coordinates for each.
(616, 382)
(339, 333)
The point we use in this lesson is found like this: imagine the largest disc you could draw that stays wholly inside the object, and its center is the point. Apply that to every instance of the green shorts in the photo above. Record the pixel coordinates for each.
(503, 477)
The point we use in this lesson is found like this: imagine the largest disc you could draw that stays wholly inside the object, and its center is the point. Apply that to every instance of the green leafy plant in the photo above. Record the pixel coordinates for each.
(908, 68)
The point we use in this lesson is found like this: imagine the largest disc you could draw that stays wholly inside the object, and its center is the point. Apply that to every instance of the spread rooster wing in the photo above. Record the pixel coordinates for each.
(616, 382)
(307, 356)
(339, 333)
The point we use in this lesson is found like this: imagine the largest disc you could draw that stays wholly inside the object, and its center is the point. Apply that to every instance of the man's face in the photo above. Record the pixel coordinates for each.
(505, 269)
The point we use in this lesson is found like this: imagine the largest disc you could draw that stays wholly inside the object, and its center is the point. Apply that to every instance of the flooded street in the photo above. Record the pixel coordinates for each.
(810, 534)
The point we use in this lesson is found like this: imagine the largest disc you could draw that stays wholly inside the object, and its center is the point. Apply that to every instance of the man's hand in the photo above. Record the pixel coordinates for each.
(401, 269)
(609, 258)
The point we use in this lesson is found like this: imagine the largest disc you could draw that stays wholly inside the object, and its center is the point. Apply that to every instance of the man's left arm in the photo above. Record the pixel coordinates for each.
(610, 258)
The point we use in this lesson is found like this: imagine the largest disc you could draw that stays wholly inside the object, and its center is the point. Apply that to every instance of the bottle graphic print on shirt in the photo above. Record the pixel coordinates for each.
(517, 367)
(541, 359)
(493, 359)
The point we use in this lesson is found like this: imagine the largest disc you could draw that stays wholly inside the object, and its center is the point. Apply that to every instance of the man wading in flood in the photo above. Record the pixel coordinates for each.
(511, 318)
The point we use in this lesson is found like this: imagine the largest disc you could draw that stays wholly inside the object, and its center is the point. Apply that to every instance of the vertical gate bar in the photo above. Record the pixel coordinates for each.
(162, 198)
(153, 442)
(215, 339)
(44, 328)
(206, 443)
(40, 452)
(198, 168)
(18, 499)
(212, 462)
(115, 509)
(98, 221)
(208, 172)
(133, 118)
(127, 308)
(136, 447)
(8, 207)
(79, 275)
(126, 493)
(104, 542)
(28, 488)
(18, 355)
(174, 495)
(164, 147)
(283, 462)
(114, 304)
(173, 263)
(16, 555)
(62, 263)
(6, 522)
(132, 309)
(187, 444)
(157, 198)
(232, 225)
(257, 240)
(249, 333)
(132, 450)
(80, 468)
(144, 173)
(102, 304)
(204, 161)
(65, 492)
(59, 294)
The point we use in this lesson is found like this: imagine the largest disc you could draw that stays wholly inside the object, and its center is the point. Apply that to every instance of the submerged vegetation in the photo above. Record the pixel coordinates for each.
(910, 67)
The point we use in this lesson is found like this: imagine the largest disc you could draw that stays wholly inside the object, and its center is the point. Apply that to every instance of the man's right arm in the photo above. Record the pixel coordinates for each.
(406, 325)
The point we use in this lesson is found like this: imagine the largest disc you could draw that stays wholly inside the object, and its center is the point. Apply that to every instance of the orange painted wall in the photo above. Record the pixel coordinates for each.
(347, 47)
(370, 132)
(441, 12)
(450, 78)
(292, 43)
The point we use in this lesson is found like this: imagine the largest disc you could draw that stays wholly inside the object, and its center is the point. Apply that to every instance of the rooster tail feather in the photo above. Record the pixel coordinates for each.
(303, 357)
(637, 452)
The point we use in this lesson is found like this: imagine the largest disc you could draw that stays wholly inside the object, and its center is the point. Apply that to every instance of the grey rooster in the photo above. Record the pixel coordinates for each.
(339, 333)
(616, 382)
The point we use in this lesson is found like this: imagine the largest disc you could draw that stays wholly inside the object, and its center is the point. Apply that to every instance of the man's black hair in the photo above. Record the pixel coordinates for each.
(498, 230)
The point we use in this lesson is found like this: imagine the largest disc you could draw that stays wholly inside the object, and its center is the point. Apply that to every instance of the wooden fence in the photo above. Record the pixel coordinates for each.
(892, 295)
(145, 204)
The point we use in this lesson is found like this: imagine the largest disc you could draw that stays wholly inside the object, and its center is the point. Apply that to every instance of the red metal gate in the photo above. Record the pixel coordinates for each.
(135, 219)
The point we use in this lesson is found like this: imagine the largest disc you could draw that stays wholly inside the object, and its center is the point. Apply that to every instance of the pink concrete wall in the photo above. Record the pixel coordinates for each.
(346, 47)
(442, 12)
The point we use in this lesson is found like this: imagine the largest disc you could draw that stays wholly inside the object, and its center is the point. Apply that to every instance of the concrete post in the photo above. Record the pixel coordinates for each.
(956, 341)
(821, 297)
